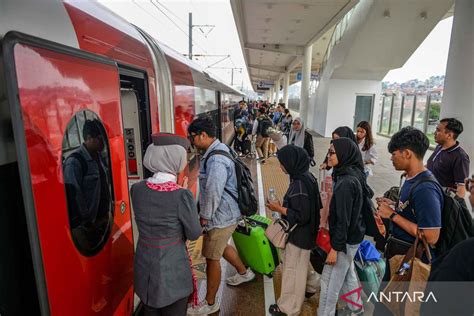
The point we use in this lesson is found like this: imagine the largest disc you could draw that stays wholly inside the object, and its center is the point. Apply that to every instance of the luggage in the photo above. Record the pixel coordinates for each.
(246, 147)
(253, 246)
(370, 272)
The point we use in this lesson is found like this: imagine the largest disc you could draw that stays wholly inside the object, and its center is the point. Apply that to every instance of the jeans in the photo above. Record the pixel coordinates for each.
(342, 275)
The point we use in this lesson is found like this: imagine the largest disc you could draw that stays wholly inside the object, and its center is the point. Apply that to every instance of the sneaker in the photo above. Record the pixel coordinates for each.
(203, 308)
(238, 278)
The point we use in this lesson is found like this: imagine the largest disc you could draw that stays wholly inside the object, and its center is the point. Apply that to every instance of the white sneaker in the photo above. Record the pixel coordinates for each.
(238, 278)
(203, 308)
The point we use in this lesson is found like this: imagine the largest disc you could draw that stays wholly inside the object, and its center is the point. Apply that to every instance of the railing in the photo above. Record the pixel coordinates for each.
(336, 37)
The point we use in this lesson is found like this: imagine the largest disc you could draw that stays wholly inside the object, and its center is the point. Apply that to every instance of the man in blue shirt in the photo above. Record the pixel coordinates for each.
(423, 212)
(219, 213)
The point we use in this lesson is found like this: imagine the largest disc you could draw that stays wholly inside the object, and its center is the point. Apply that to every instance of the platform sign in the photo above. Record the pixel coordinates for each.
(265, 85)
(314, 76)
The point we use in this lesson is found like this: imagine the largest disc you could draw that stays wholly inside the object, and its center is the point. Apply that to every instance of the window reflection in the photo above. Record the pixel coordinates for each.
(88, 182)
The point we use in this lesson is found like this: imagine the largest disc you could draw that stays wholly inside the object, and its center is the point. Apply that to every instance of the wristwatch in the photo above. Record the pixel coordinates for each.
(392, 216)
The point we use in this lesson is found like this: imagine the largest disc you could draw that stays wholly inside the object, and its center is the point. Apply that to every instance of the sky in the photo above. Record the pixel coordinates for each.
(167, 21)
(172, 29)
(429, 59)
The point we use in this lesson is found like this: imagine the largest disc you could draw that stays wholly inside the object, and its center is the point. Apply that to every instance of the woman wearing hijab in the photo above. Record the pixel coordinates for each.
(300, 137)
(346, 226)
(166, 217)
(342, 131)
(301, 205)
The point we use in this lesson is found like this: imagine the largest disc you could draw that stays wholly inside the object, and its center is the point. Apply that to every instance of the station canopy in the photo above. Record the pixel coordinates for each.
(274, 33)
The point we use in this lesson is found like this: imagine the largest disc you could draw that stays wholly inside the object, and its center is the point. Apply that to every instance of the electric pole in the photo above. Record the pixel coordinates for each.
(190, 15)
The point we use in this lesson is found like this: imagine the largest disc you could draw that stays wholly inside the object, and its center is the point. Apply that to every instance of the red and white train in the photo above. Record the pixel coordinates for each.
(61, 63)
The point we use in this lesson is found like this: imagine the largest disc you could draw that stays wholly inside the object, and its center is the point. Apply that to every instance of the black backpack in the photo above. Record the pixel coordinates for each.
(246, 194)
(263, 125)
(456, 220)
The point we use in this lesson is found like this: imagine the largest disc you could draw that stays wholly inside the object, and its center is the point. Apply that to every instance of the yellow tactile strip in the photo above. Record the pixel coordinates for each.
(274, 177)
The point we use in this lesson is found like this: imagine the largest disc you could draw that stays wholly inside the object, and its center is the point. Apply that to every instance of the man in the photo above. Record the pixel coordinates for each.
(260, 126)
(87, 187)
(277, 116)
(449, 163)
(240, 111)
(423, 212)
(219, 213)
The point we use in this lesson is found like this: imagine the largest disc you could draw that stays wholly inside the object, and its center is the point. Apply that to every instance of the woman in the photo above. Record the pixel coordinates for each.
(300, 137)
(365, 140)
(342, 131)
(346, 226)
(166, 217)
(301, 205)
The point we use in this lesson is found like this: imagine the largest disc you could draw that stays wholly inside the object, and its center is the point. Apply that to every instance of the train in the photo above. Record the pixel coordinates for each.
(63, 64)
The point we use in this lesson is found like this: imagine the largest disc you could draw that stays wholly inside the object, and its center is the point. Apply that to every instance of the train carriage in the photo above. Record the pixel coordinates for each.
(63, 64)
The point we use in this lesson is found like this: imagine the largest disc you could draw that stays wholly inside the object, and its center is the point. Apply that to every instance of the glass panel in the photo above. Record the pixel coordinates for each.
(407, 110)
(433, 116)
(88, 184)
(420, 110)
(387, 102)
(397, 107)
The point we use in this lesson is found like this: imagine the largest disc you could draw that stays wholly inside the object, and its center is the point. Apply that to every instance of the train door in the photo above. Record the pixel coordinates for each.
(67, 124)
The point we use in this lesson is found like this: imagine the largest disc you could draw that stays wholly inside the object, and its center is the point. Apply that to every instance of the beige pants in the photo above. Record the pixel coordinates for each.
(262, 145)
(295, 274)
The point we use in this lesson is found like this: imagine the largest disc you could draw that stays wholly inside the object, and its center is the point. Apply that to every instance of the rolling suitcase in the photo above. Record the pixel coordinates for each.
(253, 246)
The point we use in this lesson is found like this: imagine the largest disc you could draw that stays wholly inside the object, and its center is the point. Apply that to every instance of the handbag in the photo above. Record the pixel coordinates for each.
(323, 240)
(409, 274)
(278, 232)
(318, 258)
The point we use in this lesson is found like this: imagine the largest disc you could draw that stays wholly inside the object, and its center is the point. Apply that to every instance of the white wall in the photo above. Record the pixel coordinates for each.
(342, 101)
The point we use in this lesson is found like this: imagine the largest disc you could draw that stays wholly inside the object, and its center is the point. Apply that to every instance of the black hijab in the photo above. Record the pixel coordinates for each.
(345, 131)
(350, 162)
(295, 160)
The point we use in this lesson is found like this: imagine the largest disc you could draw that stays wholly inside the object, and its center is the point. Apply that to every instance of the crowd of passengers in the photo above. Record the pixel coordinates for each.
(167, 214)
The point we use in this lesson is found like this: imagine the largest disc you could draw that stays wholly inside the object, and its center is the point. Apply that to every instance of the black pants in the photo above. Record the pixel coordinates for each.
(178, 308)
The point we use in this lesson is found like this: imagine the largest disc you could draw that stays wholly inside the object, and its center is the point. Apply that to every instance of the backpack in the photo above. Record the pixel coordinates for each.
(456, 220)
(246, 194)
(82, 161)
(263, 125)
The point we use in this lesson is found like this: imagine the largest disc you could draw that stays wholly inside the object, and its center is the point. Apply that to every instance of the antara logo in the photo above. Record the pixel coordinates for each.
(400, 297)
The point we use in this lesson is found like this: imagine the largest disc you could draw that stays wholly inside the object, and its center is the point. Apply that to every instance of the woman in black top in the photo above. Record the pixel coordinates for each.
(301, 206)
(346, 226)
(341, 131)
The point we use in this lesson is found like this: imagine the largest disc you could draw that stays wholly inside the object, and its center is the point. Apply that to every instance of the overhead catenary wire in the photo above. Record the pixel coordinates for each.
(176, 24)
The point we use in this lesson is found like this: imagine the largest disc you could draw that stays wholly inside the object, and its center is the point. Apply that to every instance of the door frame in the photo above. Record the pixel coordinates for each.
(8, 45)
(371, 106)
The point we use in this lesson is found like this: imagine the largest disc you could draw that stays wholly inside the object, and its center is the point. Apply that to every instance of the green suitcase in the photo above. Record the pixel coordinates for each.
(370, 274)
(253, 246)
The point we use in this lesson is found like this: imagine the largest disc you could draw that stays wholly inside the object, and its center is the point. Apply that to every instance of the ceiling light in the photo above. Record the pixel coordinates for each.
(424, 15)
(297, 21)
(386, 14)
(267, 20)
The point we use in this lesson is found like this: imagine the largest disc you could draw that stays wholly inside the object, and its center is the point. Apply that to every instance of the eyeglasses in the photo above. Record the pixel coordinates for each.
(191, 137)
(331, 152)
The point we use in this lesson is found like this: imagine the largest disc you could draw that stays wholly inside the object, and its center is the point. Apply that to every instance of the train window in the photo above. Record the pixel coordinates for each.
(88, 182)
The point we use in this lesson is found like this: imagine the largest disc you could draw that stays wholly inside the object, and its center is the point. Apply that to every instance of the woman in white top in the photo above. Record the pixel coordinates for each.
(365, 139)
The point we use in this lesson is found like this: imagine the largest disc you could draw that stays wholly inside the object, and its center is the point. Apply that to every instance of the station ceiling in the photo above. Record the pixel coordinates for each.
(274, 33)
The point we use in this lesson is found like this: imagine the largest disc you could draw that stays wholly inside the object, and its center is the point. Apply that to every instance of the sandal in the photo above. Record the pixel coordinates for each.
(275, 310)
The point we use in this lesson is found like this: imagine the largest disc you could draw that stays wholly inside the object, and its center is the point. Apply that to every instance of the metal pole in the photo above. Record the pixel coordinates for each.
(190, 35)
(232, 78)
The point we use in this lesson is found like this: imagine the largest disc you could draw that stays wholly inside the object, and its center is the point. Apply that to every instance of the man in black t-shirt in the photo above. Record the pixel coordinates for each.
(449, 162)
